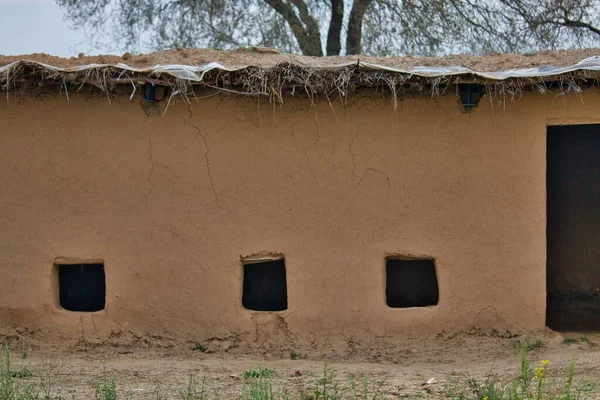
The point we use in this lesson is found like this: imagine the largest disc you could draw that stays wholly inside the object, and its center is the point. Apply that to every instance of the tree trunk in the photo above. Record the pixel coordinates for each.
(355, 26)
(334, 40)
(308, 38)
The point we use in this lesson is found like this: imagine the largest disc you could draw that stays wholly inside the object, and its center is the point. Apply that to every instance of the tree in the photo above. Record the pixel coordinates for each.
(516, 25)
(378, 27)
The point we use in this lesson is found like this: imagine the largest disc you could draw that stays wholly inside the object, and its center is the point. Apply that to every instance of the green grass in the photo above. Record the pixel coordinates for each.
(529, 345)
(260, 372)
(106, 386)
(260, 389)
(198, 347)
(25, 350)
(24, 373)
(580, 339)
(531, 384)
(10, 389)
(263, 383)
(195, 390)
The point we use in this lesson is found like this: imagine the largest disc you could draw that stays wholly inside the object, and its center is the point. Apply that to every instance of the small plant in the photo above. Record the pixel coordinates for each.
(366, 390)
(535, 345)
(22, 374)
(106, 387)
(260, 372)
(259, 389)
(192, 391)
(199, 347)
(570, 340)
(526, 375)
(588, 341)
(529, 345)
(9, 388)
(326, 387)
(6, 378)
(48, 376)
(529, 385)
(294, 355)
(25, 350)
(540, 376)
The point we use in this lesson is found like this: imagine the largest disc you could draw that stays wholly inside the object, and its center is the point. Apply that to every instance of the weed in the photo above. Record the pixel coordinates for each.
(24, 373)
(199, 347)
(538, 344)
(526, 376)
(9, 388)
(587, 386)
(6, 378)
(588, 341)
(106, 387)
(567, 390)
(365, 391)
(326, 387)
(259, 389)
(194, 392)
(294, 355)
(529, 345)
(48, 374)
(530, 385)
(25, 350)
(260, 372)
(570, 340)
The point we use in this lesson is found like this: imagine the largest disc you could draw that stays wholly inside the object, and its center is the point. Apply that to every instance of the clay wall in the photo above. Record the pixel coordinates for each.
(170, 205)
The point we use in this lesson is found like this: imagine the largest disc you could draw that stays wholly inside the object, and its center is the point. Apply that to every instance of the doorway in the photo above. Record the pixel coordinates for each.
(573, 227)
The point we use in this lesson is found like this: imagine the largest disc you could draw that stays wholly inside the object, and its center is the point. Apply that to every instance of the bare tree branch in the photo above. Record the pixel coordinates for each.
(379, 27)
(353, 40)
(334, 39)
(308, 38)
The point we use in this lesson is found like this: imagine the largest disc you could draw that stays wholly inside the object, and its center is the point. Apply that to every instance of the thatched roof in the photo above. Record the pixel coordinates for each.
(259, 71)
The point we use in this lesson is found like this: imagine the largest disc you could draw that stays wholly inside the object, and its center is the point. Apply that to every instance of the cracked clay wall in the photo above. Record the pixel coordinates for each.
(171, 203)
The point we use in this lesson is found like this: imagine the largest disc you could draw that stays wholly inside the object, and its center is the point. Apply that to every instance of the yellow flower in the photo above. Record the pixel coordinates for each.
(539, 373)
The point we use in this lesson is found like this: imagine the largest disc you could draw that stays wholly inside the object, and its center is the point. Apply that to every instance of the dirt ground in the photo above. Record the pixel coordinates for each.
(436, 367)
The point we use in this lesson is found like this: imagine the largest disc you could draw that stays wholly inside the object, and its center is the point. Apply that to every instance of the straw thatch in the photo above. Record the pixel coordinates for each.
(276, 76)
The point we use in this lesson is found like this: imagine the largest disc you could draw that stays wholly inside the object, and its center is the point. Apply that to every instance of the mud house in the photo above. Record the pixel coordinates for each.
(246, 194)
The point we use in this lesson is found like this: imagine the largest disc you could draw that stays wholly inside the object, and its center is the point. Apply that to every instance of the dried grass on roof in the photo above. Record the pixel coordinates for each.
(268, 58)
(265, 73)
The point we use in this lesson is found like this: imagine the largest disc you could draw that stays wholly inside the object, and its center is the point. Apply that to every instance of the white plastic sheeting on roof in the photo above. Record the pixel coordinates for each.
(196, 73)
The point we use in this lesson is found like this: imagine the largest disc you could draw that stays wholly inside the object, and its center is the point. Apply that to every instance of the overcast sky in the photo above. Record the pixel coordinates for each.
(37, 26)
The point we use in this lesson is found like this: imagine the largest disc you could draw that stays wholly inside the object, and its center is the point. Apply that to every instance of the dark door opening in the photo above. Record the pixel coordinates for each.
(573, 227)
(410, 283)
(82, 287)
(265, 286)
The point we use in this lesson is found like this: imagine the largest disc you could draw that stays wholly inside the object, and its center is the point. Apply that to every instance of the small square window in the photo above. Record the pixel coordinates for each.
(265, 286)
(411, 283)
(82, 287)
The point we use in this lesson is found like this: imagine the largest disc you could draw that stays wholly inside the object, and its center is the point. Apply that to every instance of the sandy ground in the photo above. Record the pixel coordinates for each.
(398, 370)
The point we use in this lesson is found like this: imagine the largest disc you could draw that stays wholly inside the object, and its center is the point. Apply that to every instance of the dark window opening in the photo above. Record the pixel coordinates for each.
(573, 227)
(82, 287)
(265, 286)
(411, 283)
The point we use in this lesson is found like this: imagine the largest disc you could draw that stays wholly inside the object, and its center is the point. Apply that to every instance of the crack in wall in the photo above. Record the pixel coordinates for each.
(152, 162)
(31, 157)
(487, 323)
(57, 176)
(206, 150)
(374, 170)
